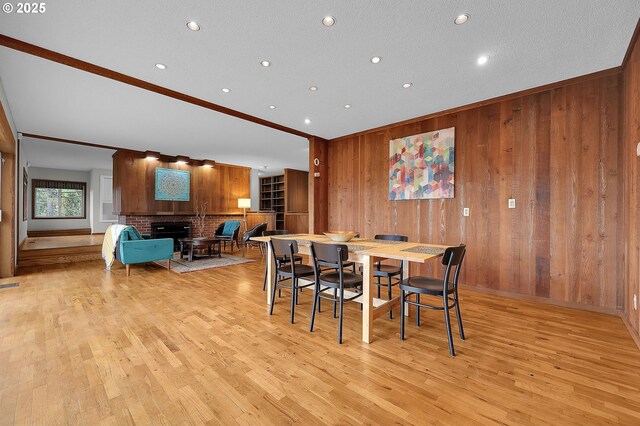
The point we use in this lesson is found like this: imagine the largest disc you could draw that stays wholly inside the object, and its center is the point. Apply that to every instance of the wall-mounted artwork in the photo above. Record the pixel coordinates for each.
(172, 185)
(422, 166)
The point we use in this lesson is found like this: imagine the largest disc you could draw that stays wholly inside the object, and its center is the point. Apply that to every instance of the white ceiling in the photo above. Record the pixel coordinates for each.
(64, 156)
(529, 43)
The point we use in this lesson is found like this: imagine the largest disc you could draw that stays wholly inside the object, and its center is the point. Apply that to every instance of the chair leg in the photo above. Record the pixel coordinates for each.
(264, 283)
(389, 298)
(335, 297)
(273, 295)
(294, 291)
(458, 315)
(448, 324)
(418, 310)
(401, 314)
(341, 315)
(378, 287)
(316, 300)
(128, 268)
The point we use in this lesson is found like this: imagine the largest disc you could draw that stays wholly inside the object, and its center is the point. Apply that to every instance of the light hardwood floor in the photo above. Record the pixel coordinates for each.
(80, 345)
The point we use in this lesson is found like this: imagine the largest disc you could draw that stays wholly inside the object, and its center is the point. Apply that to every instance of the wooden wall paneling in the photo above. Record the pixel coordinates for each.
(134, 184)
(296, 191)
(7, 204)
(631, 206)
(318, 186)
(296, 223)
(254, 218)
(553, 151)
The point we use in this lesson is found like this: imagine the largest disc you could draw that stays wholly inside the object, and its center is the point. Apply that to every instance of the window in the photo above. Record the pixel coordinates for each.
(56, 199)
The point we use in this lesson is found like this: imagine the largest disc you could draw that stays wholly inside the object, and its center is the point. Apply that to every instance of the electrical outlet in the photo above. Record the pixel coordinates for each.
(635, 302)
(512, 203)
(465, 211)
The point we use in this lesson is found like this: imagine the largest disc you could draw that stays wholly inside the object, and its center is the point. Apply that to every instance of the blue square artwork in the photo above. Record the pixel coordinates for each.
(172, 185)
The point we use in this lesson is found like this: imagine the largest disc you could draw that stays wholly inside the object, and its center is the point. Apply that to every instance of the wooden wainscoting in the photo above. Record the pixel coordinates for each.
(254, 218)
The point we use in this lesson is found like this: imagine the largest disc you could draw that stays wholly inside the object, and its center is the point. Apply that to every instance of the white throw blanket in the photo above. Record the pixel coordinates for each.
(109, 244)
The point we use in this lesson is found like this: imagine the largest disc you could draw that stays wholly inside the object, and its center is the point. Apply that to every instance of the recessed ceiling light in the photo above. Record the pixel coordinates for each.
(313, 88)
(161, 66)
(407, 85)
(265, 63)
(307, 121)
(376, 59)
(225, 90)
(347, 106)
(328, 21)
(461, 19)
(482, 60)
(193, 26)
(272, 107)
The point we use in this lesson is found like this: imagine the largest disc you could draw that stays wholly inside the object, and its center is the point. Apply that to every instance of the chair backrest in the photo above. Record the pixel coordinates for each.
(331, 255)
(230, 227)
(275, 232)
(219, 229)
(387, 237)
(282, 247)
(452, 258)
(256, 231)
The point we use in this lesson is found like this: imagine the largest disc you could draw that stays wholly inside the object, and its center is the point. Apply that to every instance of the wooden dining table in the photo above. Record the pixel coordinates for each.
(366, 252)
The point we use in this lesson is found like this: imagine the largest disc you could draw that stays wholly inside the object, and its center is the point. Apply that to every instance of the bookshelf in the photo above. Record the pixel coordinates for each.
(272, 196)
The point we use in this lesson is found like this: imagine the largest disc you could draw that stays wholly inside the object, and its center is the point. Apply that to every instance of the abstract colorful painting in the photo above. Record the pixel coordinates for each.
(421, 166)
(172, 185)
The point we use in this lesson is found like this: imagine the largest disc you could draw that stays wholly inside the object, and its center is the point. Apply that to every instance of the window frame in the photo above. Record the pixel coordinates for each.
(33, 201)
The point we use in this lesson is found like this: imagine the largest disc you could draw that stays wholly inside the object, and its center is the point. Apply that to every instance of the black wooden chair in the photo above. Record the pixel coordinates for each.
(446, 288)
(288, 271)
(382, 270)
(256, 231)
(333, 255)
(297, 257)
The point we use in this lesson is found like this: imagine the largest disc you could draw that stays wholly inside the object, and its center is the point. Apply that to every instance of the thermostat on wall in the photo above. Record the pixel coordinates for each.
(638, 149)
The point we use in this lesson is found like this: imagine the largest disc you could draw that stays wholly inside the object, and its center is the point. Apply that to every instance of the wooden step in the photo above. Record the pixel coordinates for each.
(58, 255)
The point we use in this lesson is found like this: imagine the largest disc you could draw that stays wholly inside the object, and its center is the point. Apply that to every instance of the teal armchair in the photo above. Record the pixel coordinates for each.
(228, 231)
(132, 248)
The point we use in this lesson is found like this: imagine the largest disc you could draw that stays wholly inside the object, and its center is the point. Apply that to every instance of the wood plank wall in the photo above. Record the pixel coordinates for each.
(134, 186)
(631, 130)
(556, 152)
(296, 184)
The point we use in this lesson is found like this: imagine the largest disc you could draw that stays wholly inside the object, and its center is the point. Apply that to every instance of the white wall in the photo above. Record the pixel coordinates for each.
(97, 227)
(56, 224)
(254, 189)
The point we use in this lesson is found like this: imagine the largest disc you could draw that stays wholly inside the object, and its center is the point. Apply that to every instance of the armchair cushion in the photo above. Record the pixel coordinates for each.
(230, 226)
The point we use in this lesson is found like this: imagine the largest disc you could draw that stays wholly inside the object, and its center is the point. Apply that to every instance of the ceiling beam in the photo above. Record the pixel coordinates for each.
(50, 55)
(71, 141)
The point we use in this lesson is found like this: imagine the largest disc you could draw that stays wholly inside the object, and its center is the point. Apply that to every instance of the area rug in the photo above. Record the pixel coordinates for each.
(182, 265)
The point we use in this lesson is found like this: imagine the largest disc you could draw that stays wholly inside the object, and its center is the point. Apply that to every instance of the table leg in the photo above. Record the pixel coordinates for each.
(405, 269)
(367, 299)
(190, 259)
(270, 267)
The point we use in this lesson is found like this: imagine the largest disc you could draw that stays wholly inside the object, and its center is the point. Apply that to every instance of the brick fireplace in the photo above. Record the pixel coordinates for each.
(143, 223)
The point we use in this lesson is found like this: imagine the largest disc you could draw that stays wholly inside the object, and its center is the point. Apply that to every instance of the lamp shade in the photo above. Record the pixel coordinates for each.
(244, 203)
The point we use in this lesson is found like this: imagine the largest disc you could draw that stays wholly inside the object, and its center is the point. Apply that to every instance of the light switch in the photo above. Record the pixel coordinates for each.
(316, 174)
(512, 203)
(465, 211)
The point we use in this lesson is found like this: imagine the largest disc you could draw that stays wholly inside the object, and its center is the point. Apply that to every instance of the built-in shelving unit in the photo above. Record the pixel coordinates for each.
(272, 195)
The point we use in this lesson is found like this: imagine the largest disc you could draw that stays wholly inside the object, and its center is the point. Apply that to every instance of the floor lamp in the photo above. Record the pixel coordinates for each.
(244, 204)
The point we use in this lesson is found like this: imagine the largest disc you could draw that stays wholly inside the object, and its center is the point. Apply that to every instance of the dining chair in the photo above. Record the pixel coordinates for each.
(446, 288)
(288, 271)
(382, 270)
(297, 258)
(335, 255)
(256, 231)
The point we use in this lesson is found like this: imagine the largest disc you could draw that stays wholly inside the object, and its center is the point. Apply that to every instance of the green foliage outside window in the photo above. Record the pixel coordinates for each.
(58, 202)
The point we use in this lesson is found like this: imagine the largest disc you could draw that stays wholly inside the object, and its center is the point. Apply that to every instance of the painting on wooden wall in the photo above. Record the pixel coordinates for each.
(422, 166)
(172, 185)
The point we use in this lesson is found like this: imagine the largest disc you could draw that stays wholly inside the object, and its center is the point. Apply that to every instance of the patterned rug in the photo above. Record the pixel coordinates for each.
(182, 265)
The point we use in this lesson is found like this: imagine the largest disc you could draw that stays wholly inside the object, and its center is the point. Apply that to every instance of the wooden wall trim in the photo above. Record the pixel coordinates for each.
(510, 96)
(70, 141)
(53, 56)
(8, 147)
(59, 232)
(632, 331)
